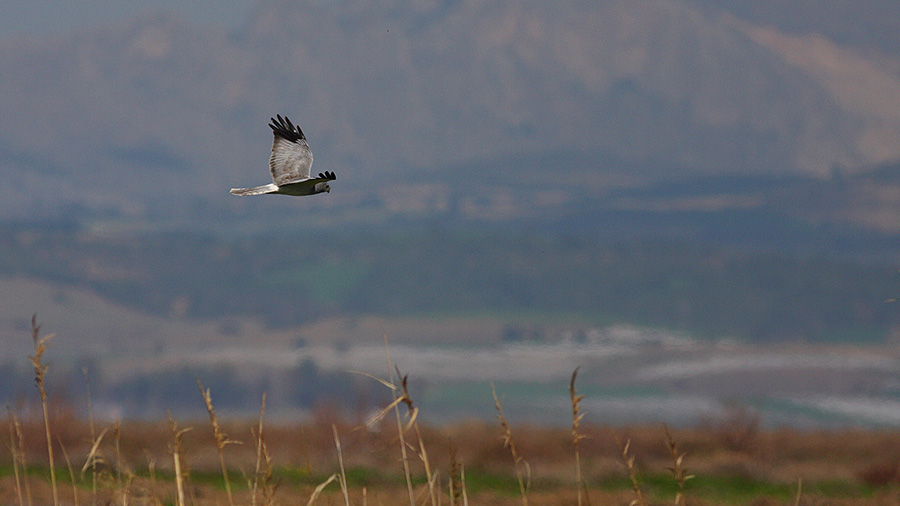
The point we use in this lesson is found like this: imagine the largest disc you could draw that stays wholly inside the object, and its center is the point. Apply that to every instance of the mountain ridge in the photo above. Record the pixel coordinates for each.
(416, 87)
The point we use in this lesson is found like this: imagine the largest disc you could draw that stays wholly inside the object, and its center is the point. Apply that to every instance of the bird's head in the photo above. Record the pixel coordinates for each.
(322, 187)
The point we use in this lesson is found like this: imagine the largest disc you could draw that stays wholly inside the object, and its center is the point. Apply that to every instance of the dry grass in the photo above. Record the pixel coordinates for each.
(40, 370)
(182, 475)
(331, 460)
(367, 459)
(678, 470)
(220, 436)
(577, 415)
(628, 459)
(523, 470)
(17, 453)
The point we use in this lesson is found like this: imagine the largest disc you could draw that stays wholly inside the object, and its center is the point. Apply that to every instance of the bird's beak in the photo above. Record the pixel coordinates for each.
(328, 190)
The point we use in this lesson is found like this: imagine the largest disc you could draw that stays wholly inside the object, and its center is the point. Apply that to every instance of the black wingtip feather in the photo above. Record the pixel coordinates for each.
(282, 127)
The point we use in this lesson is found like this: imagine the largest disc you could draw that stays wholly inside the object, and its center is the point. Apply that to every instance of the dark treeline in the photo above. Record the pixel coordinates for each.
(710, 290)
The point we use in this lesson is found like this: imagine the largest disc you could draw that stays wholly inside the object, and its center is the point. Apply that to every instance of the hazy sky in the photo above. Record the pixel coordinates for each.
(38, 17)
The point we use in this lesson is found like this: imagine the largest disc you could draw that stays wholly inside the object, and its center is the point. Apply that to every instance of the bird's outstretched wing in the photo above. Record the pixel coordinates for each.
(323, 177)
(291, 158)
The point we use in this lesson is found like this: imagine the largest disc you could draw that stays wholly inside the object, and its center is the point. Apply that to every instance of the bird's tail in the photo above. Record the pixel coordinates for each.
(256, 190)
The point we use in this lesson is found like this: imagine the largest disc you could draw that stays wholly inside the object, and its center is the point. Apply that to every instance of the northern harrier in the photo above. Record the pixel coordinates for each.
(289, 164)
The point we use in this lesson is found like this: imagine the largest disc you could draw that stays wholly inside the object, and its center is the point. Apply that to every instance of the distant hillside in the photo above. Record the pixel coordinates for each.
(156, 116)
(742, 291)
(873, 24)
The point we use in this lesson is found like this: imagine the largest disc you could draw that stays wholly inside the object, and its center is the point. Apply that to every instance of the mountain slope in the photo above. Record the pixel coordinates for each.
(156, 116)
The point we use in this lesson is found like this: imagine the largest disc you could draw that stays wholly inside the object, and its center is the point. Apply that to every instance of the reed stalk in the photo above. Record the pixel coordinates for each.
(71, 472)
(263, 477)
(521, 466)
(343, 476)
(117, 438)
(15, 451)
(40, 370)
(397, 398)
(577, 415)
(181, 472)
(151, 469)
(318, 491)
(462, 483)
(632, 474)
(413, 413)
(454, 485)
(221, 438)
(91, 425)
(677, 468)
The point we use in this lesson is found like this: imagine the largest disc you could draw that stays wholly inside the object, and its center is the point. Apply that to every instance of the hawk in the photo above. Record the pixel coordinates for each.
(289, 164)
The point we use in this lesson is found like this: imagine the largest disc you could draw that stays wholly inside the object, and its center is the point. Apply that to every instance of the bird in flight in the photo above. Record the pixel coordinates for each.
(289, 164)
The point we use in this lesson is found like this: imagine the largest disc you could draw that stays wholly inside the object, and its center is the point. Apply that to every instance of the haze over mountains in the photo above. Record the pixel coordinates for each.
(631, 186)
(158, 114)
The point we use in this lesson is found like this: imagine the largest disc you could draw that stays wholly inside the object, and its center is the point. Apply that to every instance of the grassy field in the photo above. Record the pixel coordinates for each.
(732, 462)
(396, 457)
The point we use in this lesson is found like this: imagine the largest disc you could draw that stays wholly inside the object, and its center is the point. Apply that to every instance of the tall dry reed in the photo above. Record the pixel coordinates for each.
(628, 460)
(413, 413)
(577, 415)
(523, 470)
(263, 479)
(343, 476)
(17, 450)
(677, 468)
(71, 472)
(182, 474)
(397, 399)
(92, 427)
(40, 370)
(221, 438)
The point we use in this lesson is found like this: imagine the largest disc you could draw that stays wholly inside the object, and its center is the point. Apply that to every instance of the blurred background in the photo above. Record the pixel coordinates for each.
(694, 201)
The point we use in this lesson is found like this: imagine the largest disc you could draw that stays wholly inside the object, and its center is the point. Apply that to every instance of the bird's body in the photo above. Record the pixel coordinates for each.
(290, 165)
(307, 186)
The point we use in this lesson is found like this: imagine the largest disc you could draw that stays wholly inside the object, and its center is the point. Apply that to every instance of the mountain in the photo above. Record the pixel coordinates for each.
(872, 25)
(158, 117)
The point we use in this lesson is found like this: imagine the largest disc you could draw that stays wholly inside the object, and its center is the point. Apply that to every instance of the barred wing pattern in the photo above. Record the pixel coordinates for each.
(291, 158)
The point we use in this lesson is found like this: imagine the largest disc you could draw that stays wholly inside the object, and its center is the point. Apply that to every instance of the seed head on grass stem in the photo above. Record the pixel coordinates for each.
(413, 413)
(40, 370)
(221, 438)
(628, 459)
(264, 477)
(677, 468)
(401, 396)
(577, 415)
(523, 471)
(400, 430)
